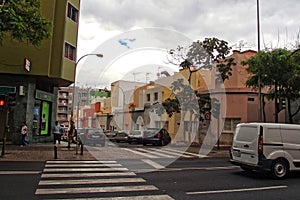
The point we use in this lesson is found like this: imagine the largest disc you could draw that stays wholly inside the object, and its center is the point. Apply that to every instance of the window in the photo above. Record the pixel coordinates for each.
(230, 124)
(148, 97)
(250, 98)
(70, 52)
(72, 13)
(155, 96)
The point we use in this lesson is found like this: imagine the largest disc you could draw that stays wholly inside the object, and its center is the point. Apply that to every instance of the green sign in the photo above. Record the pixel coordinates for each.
(7, 89)
(44, 96)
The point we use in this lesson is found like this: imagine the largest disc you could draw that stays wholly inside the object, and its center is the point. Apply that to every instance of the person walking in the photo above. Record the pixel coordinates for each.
(57, 132)
(24, 133)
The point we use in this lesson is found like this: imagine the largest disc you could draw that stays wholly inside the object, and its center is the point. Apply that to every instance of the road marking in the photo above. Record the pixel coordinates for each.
(187, 153)
(201, 168)
(85, 169)
(153, 151)
(86, 175)
(153, 164)
(238, 190)
(83, 165)
(174, 153)
(91, 181)
(149, 197)
(140, 153)
(19, 172)
(89, 190)
(81, 161)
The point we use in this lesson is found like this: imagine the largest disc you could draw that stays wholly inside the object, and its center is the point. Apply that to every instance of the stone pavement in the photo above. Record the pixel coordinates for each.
(45, 151)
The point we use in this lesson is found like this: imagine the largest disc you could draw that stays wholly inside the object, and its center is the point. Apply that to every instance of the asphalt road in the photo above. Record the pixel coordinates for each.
(196, 178)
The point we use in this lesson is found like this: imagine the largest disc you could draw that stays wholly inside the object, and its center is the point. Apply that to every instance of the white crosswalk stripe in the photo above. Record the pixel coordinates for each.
(163, 153)
(89, 178)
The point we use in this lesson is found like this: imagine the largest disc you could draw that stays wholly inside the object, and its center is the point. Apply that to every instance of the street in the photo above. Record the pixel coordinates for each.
(138, 178)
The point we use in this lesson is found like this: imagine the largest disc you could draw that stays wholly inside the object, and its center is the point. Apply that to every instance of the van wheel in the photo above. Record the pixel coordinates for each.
(279, 169)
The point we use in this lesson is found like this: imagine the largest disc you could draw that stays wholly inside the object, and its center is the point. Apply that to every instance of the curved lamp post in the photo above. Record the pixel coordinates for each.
(74, 85)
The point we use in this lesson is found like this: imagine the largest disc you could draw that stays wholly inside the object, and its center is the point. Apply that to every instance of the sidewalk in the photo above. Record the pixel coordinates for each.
(45, 151)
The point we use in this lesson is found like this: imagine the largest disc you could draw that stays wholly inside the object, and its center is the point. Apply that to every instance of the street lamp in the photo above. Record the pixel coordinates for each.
(123, 104)
(74, 85)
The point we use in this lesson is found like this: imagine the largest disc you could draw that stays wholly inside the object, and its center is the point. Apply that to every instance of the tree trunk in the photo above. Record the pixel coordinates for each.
(290, 116)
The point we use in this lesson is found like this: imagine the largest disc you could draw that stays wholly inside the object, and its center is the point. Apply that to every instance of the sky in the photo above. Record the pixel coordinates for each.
(134, 36)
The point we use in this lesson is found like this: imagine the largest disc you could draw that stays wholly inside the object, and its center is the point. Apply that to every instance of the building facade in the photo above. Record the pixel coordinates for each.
(37, 72)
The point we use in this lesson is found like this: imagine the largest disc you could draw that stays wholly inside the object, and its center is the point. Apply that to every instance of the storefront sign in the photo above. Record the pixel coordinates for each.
(44, 96)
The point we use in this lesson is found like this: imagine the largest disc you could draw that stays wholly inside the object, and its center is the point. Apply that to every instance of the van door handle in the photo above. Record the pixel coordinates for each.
(246, 145)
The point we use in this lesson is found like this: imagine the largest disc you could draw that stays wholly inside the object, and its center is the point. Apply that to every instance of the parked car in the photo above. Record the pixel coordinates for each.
(135, 136)
(109, 134)
(92, 136)
(156, 136)
(121, 136)
(267, 147)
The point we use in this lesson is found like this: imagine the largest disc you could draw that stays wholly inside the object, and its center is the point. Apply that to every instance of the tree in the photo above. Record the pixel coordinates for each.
(279, 73)
(22, 20)
(207, 54)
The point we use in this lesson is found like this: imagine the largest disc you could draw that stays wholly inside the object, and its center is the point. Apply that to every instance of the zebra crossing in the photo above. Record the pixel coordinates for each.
(163, 153)
(93, 180)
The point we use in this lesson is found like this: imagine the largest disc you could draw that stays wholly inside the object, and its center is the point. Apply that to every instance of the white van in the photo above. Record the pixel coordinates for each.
(267, 147)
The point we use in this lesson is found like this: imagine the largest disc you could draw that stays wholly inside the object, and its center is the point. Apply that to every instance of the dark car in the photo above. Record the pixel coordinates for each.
(135, 136)
(156, 136)
(92, 136)
(109, 134)
(121, 136)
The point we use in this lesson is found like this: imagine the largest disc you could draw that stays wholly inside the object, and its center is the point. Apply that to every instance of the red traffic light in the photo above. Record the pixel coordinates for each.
(2, 102)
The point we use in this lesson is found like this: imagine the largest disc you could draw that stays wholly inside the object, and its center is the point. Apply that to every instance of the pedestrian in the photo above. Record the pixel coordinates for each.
(71, 133)
(57, 132)
(24, 133)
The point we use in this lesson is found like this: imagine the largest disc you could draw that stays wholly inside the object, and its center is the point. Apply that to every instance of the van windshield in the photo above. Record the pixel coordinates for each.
(246, 133)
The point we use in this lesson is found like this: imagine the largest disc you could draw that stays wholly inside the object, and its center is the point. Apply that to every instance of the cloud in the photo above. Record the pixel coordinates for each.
(230, 20)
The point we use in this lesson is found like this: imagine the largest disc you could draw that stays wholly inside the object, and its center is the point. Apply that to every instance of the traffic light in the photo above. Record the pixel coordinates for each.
(2, 102)
(11, 101)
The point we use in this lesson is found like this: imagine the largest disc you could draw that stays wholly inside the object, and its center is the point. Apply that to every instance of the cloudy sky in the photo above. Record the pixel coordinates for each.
(115, 29)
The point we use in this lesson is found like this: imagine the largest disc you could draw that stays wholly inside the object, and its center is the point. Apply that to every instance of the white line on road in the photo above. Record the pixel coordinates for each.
(146, 197)
(153, 152)
(83, 165)
(239, 190)
(84, 169)
(153, 164)
(19, 172)
(81, 161)
(140, 153)
(86, 175)
(91, 181)
(89, 190)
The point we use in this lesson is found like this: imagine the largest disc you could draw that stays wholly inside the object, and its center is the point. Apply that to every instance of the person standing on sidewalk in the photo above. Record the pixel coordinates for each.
(71, 133)
(24, 133)
(57, 132)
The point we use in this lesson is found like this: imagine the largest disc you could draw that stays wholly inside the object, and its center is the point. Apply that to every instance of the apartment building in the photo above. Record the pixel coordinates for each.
(38, 72)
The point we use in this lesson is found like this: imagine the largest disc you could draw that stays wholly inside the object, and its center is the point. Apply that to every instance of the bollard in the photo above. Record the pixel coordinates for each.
(55, 152)
(81, 149)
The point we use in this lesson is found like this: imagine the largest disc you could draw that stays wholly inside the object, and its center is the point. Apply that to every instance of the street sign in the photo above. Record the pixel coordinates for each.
(7, 89)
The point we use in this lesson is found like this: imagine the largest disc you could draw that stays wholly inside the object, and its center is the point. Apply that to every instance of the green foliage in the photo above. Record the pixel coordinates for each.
(279, 72)
(22, 20)
(200, 55)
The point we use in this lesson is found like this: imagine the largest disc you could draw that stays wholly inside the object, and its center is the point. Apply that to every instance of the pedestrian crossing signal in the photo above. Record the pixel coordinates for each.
(11, 100)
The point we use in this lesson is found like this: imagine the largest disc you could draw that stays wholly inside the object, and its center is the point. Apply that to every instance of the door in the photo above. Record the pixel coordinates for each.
(245, 144)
